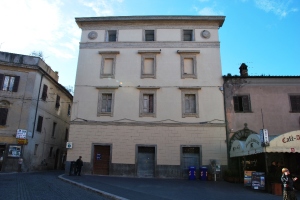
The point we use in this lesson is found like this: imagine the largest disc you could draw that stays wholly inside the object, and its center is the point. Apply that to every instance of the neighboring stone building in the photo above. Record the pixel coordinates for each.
(34, 114)
(148, 98)
(269, 102)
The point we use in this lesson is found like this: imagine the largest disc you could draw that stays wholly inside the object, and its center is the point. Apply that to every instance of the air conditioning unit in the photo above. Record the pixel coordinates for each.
(69, 145)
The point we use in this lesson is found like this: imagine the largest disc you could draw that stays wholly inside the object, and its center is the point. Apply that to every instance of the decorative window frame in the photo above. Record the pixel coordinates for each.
(148, 54)
(147, 90)
(106, 90)
(108, 55)
(185, 91)
(249, 103)
(191, 54)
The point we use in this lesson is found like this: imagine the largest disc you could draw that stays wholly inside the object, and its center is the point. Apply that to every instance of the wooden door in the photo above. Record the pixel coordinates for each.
(101, 160)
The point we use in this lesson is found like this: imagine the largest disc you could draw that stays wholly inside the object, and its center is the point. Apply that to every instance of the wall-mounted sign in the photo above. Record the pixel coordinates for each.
(21, 133)
(69, 145)
(14, 151)
(22, 141)
(98, 157)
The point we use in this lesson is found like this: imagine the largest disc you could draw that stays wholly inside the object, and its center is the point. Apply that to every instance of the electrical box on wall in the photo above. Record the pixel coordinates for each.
(69, 145)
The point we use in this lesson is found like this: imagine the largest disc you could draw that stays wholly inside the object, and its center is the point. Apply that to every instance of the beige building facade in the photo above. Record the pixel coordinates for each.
(34, 114)
(148, 99)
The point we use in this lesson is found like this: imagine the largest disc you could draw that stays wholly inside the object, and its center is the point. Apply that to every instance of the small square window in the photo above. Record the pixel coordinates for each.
(188, 35)
(149, 35)
(295, 103)
(112, 36)
(242, 103)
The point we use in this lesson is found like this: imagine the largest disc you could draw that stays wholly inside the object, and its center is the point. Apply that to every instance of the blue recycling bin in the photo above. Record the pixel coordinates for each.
(192, 173)
(203, 173)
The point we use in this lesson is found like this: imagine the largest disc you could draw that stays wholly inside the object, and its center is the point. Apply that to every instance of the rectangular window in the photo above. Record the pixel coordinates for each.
(242, 103)
(3, 116)
(149, 35)
(189, 100)
(112, 36)
(53, 129)
(50, 152)
(106, 102)
(188, 66)
(39, 124)
(190, 103)
(44, 93)
(148, 103)
(187, 35)
(57, 103)
(67, 134)
(69, 109)
(148, 66)
(295, 103)
(35, 149)
(108, 64)
(9, 83)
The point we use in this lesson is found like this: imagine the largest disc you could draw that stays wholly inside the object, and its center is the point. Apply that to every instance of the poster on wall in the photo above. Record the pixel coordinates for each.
(258, 180)
(14, 151)
(247, 178)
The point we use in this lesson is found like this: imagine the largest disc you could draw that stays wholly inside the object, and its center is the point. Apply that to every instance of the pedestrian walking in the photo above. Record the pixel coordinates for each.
(79, 165)
(288, 185)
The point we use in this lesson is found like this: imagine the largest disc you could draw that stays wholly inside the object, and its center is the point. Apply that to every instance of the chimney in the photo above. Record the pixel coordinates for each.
(244, 70)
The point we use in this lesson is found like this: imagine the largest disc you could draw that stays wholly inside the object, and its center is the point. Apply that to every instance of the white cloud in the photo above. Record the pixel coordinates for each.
(102, 7)
(278, 7)
(209, 11)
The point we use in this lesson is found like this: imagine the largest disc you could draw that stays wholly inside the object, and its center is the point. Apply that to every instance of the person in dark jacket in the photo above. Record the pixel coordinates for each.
(79, 165)
(288, 182)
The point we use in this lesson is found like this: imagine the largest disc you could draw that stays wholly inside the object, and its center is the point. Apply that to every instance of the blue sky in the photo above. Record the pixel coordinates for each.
(264, 34)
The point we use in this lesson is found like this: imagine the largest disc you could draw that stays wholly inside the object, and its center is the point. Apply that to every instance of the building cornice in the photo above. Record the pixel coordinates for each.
(150, 124)
(160, 45)
(218, 20)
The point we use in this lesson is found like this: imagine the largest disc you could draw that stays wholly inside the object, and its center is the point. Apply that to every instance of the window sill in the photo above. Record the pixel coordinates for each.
(190, 115)
(147, 115)
(148, 76)
(105, 114)
(183, 76)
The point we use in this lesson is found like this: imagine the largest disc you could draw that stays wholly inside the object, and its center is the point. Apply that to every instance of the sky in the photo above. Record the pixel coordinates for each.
(263, 34)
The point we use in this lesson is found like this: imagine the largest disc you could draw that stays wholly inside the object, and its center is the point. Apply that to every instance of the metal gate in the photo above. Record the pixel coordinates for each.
(101, 160)
(190, 157)
(146, 162)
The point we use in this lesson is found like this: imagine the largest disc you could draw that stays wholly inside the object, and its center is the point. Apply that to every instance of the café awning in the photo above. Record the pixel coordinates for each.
(285, 143)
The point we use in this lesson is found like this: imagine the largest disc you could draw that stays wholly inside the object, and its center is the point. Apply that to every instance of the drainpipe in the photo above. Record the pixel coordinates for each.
(226, 124)
(37, 105)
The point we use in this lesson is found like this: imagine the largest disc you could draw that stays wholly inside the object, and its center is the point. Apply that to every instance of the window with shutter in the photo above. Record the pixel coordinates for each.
(69, 109)
(295, 103)
(106, 102)
(53, 129)
(242, 103)
(57, 103)
(44, 93)
(189, 101)
(147, 102)
(3, 116)
(39, 124)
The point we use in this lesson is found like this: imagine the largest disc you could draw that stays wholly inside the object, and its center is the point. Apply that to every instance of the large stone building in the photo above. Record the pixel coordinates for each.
(34, 114)
(148, 99)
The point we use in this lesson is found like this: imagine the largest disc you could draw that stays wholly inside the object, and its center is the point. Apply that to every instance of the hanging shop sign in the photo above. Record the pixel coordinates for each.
(22, 141)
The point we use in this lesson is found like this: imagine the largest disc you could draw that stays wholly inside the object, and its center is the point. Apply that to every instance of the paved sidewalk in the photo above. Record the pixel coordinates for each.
(175, 189)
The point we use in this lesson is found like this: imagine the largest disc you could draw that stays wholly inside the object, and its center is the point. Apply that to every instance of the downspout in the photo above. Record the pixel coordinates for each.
(226, 124)
(37, 105)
